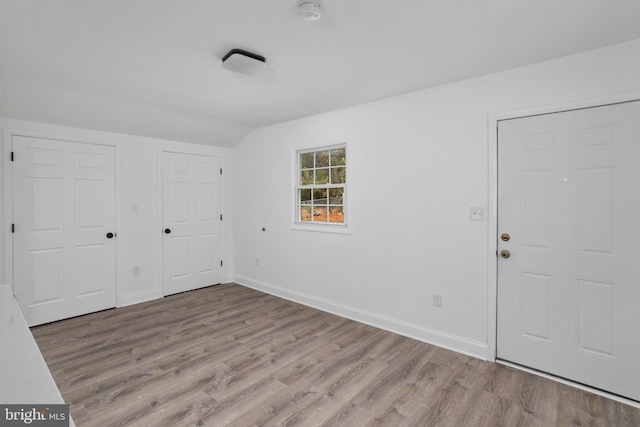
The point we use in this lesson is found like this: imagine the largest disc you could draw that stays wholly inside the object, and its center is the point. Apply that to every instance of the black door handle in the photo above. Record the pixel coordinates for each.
(167, 230)
(110, 235)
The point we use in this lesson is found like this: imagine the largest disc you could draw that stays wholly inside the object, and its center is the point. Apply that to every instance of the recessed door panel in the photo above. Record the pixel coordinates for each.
(90, 161)
(597, 206)
(47, 275)
(89, 203)
(536, 306)
(597, 137)
(597, 319)
(206, 248)
(180, 202)
(46, 207)
(90, 269)
(537, 209)
(180, 257)
(206, 168)
(179, 167)
(206, 201)
(38, 156)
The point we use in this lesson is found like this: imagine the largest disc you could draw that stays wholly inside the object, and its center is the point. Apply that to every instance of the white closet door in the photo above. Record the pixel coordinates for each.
(64, 208)
(192, 217)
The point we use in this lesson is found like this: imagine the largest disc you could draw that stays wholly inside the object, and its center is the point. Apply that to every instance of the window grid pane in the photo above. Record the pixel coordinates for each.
(322, 176)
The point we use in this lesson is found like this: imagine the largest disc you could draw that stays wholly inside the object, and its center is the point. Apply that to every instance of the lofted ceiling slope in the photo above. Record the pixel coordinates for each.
(152, 67)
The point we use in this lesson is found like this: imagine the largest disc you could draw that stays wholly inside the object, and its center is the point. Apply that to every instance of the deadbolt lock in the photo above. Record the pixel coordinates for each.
(505, 253)
(505, 237)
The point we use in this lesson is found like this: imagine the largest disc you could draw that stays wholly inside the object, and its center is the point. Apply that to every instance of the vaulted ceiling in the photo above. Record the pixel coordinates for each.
(152, 67)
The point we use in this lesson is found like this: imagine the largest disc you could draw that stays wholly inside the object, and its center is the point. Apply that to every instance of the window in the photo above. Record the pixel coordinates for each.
(321, 185)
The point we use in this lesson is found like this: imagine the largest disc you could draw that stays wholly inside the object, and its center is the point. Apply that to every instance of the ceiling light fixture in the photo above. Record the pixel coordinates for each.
(243, 62)
(309, 10)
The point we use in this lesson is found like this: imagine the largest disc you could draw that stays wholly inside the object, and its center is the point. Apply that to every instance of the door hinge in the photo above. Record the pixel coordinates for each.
(12, 156)
(221, 263)
(13, 228)
(220, 217)
(220, 171)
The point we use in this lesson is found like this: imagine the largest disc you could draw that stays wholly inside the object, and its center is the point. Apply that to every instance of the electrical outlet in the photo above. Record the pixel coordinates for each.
(136, 271)
(258, 261)
(437, 300)
(477, 213)
(135, 208)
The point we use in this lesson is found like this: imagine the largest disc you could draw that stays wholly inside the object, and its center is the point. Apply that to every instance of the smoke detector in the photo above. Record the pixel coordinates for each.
(309, 10)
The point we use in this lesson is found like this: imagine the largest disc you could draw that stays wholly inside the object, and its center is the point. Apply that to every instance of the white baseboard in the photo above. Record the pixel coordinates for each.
(455, 343)
(140, 297)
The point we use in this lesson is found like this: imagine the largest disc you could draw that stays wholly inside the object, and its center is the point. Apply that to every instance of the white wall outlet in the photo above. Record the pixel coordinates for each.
(136, 271)
(477, 213)
(437, 300)
(135, 208)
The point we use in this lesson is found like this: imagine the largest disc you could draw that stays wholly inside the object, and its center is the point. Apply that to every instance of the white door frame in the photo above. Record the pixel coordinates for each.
(492, 211)
(7, 140)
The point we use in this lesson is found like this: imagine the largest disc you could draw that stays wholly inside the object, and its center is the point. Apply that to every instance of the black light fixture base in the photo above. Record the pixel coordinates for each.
(243, 62)
(245, 53)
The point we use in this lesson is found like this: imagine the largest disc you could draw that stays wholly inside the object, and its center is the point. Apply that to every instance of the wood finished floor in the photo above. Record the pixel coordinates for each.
(229, 355)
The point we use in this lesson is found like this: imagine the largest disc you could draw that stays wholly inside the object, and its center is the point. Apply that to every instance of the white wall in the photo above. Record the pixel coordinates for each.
(417, 162)
(138, 181)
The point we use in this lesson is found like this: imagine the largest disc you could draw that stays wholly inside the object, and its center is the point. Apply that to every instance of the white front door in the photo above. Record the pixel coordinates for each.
(192, 216)
(63, 209)
(569, 197)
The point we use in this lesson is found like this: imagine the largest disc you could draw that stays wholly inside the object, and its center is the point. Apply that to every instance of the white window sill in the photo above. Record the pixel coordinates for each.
(322, 228)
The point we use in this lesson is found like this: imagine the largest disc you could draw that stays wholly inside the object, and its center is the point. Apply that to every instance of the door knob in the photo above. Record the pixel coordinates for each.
(110, 235)
(505, 237)
(505, 253)
(167, 231)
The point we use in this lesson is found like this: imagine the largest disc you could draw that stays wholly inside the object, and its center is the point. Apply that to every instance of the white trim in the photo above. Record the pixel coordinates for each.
(140, 297)
(571, 383)
(295, 168)
(441, 339)
(160, 247)
(118, 213)
(8, 209)
(58, 137)
(313, 149)
(492, 244)
(321, 227)
(492, 214)
(566, 106)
